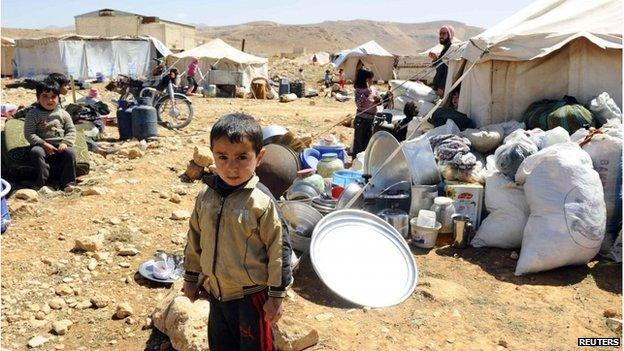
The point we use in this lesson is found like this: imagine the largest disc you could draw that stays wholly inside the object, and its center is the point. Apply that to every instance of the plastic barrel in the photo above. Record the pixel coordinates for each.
(284, 87)
(144, 121)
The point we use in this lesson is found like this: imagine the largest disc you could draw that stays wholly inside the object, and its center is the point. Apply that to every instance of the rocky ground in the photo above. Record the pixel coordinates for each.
(70, 281)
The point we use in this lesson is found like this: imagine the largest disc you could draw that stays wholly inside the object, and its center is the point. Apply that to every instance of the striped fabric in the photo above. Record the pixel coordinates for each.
(549, 114)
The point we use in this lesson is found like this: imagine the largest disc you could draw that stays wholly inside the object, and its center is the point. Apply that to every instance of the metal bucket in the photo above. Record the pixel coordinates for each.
(422, 198)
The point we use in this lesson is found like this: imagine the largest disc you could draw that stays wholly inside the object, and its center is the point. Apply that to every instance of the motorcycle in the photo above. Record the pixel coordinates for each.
(174, 109)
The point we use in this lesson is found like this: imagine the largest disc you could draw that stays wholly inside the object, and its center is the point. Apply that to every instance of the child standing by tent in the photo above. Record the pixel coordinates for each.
(366, 100)
(190, 75)
(342, 77)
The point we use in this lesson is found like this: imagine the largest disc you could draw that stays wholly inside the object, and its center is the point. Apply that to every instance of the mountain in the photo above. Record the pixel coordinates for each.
(269, 38)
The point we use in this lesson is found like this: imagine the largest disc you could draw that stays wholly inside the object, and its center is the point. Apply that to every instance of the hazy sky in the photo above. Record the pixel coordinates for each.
(44, 13)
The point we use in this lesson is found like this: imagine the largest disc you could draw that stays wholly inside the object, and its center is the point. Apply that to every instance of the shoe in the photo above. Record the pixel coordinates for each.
(69, 188)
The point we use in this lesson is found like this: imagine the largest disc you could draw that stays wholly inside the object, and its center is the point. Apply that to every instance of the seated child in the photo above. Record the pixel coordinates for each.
(238, 247)
(51, 133)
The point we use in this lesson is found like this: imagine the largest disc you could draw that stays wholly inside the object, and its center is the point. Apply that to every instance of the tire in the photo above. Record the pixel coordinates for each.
(184, 111)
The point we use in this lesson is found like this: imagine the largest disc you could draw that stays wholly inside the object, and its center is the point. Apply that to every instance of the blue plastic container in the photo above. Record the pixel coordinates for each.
(338, 150)
(346, 177)
(144, 120)
(5, 188)
(309, 158)
(284, 87)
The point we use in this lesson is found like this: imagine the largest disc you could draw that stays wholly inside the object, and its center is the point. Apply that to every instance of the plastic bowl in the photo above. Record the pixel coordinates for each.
(309, 158)
(339, 150)
(345, 177)
(422, 236)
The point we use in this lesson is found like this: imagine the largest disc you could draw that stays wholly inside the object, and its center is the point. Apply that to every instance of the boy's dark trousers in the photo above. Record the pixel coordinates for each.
(363, 125)
(63, 162)
(239, 324)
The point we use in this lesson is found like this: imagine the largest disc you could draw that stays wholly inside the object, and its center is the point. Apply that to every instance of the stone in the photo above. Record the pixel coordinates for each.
(615, 325)
(128, 251)
(123, 310)
(101, 256)
(178, 239)
(324, 316)
(40, 315)
(83, 305)
(147, 323)
(29, 195)
(182, 320)
(57, 303)
(124, 264)
(502, 343)
(202, 156)
(92, 264)
(514, 255)
(194, 171)
(22, 209)
(114, 221)
(64, 290)
(95, 190)
(609, 313)
(90, 243)
(100, 301)
(175, 198)
(61, 327)
(180, 215)
(45, 308)
(37, 341)
(180, 190)
(443, 290)
(47, 191)
(293, 335)
(135, 153)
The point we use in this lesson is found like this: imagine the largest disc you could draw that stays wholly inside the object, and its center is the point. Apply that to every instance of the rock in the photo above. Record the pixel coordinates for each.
(615, 325)
(94, 191)
(609, 313)
(124, 264)
(135, 153)
(443, 290)
(202, 156)
(324, 316)
(22, 209)
(180, 190)
(57, 303)
(100, 301)
(293, 335)
(45, 308)
(90, 243)
(182, 320)
(48, 192)
(37, 341)
(61, 327)
(63, 290)
(175, 198)
(123, 310)
(147, 323)
(180, 215)
(212, 169)
(127, 251)
(114, 221)
(92, 264)
(514, 255)
(101, 256)
(29, 195)
(502, 343)
(40, 316)
(194, 171)
(83, 305)
(178, 239)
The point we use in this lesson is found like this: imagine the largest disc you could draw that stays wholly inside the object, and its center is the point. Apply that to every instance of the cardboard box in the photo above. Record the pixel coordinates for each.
(467, 198)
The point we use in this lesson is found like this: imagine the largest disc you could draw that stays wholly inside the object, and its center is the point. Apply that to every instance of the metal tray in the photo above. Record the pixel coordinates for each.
(300, 216)
(363, 259)
(381, 145)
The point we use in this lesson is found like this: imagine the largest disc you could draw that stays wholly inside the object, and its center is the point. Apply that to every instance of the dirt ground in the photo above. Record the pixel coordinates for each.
(465, 300)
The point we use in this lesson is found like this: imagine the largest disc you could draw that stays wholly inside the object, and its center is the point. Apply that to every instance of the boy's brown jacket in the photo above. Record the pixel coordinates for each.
(238, 245)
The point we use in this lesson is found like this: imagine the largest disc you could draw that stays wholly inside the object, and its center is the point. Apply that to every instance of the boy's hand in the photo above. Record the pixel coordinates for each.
(49, 148)
(433, 56)
(273, 309)
(191, 290)
(62, 147)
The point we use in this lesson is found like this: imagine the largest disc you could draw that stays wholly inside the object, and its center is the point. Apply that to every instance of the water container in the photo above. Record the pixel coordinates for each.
(144, 121)
(339, 150)
(284, 87)
(298, 88)
(99, 77)
(210, 91)
(124, 121)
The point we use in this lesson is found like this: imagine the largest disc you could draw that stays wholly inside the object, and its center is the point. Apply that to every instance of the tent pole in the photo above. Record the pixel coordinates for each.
(73, 88)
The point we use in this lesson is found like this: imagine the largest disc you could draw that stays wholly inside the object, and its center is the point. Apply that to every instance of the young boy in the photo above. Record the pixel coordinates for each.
(327, 79)
(238, 248)
(50, 131)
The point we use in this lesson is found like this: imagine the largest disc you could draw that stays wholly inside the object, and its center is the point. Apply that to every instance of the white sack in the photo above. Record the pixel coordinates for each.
(509, 212)
(554, 136)
(485, 139)
(568, 215)
(509, 156)
(415, 90)
(604, 108)
(424, 107)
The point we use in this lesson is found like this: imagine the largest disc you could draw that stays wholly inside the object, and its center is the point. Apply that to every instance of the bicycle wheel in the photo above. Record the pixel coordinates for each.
(175, 114)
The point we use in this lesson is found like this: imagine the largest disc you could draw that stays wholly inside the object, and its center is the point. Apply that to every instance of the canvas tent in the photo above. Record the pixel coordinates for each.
(372, 55)
(8, 49)
(84, 56)
(220, 55)
(550, 49)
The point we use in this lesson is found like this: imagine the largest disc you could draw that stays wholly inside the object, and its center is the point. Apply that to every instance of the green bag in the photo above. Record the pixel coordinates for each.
(15, 152)
(566, 113)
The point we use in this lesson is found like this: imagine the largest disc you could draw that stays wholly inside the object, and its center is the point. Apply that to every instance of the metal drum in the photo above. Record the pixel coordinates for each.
(278, 169)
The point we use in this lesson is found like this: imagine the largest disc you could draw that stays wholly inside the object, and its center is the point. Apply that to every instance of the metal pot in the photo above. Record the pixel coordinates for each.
(397, 218)
(422, 198)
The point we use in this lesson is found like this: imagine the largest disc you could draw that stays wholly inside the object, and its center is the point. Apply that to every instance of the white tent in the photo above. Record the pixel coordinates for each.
(84, 56)
(372, 55)
(550, 49)
(222, 56)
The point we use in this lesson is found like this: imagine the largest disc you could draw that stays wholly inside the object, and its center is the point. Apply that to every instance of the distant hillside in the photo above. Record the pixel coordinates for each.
(273, 38)
(270, 38)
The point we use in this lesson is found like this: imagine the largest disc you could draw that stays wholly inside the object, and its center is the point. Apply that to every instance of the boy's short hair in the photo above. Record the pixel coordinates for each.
(58, 78)
(174, 70)
(235, 127)
(410, 109)
(45, 86)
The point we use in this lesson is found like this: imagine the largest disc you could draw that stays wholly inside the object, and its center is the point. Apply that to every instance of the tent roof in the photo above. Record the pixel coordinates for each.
(6, 41)
(546, 26)
(370, 48)
(218, 49)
